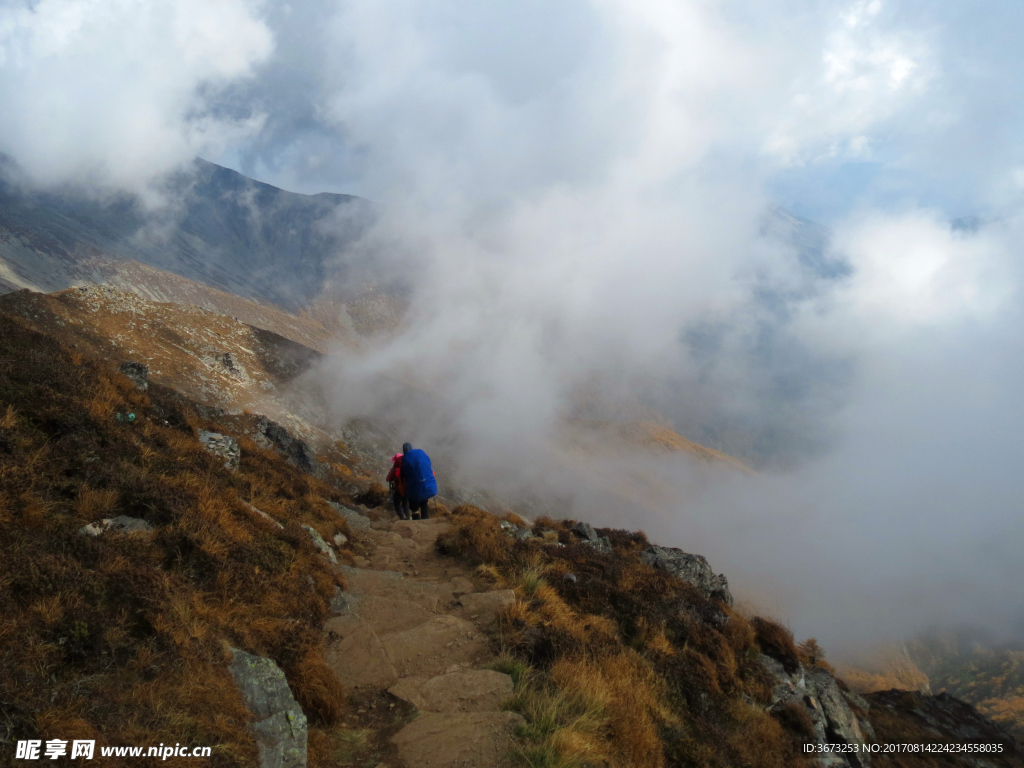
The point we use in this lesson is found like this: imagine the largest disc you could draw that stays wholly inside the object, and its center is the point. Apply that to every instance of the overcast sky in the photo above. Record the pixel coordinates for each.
(588, 183)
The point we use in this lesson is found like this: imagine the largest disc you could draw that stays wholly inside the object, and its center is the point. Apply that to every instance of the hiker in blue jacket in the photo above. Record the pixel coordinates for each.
(420, 484)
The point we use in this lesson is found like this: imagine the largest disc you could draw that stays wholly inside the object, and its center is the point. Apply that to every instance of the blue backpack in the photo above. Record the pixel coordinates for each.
(420, 483)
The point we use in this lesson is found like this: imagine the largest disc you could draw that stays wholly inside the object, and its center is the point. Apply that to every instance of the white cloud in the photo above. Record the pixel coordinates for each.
(115, 92)
(915, 269)
(869, 72)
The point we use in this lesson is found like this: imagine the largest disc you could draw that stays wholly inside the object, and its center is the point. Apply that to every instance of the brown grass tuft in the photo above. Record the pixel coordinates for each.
(776, 641)
(476, 536)
(317, 689)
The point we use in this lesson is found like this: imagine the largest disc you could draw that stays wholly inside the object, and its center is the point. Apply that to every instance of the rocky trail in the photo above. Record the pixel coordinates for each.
(408, 641)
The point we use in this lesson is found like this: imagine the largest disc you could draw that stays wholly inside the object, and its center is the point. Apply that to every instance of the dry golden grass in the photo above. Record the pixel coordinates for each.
(890, 668)
(9, 420)
(617, 664)
(125, 635)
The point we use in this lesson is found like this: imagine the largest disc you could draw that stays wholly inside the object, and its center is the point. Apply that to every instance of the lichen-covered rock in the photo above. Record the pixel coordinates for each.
(279, 723)
(692, 569)
(222, 445)
(119, 524)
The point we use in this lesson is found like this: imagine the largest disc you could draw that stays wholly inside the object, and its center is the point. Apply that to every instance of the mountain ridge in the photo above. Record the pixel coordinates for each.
(217, 227)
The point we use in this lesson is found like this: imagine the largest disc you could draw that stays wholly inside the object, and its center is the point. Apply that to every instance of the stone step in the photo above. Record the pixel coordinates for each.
(462, 690)
(458, 740)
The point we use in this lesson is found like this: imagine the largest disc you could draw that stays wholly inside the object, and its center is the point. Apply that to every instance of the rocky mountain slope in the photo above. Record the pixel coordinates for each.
(211, 358)
(215, 227)
(170, 568)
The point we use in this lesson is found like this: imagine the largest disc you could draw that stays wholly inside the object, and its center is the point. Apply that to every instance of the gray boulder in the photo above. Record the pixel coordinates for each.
(585, 531)
(279, 723)
(589, 537)
(356, 520)
(223, 446)
(692, 569)
(119, 524)
(319, 543)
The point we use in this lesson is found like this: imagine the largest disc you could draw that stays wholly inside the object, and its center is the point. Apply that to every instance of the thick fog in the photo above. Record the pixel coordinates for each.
(594, 206)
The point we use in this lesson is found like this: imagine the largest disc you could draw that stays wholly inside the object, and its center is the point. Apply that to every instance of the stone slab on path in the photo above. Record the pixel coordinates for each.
(390, 614)
(383, 583)
(460, 585)
(424, 532)
(458, 740)
(361, 655)
(433, 647)
(357, 656)
(465, 690)
(485, 606)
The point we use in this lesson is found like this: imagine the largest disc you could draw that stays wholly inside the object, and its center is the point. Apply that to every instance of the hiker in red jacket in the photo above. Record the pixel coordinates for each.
(397, 485)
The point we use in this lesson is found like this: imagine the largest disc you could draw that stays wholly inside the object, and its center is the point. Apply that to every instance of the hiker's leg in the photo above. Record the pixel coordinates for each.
(425, 513)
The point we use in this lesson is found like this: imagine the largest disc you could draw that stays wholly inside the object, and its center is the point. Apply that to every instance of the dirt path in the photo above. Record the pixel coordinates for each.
(407, 641)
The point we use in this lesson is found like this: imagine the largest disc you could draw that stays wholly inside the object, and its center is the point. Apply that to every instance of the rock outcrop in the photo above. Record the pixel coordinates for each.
(296, 451)
(222, 445)
(816, 693)
(589, 537)
(279, 723)
(319, 543)
(692, 569)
